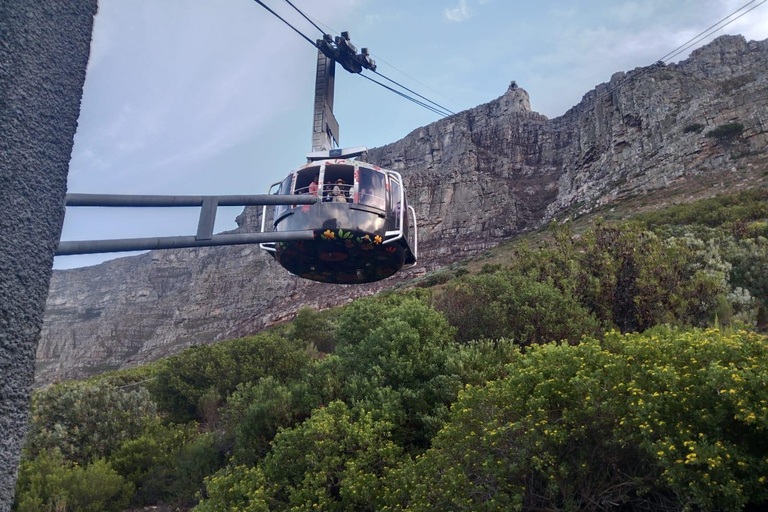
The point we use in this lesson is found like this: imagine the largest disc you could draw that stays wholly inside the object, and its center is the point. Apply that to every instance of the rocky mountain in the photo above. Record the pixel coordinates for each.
(475, 179)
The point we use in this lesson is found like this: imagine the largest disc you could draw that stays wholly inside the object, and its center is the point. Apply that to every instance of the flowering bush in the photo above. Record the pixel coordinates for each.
(664, 420)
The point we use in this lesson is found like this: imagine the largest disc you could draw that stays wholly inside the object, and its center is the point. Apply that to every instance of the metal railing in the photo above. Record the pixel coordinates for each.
(204, 237)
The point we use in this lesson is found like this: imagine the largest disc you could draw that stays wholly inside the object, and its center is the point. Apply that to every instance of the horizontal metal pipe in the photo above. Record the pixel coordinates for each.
(162, 201)
(176, 242)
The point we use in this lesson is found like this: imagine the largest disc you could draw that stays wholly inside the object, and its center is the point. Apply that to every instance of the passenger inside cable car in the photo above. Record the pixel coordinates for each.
(362, 232)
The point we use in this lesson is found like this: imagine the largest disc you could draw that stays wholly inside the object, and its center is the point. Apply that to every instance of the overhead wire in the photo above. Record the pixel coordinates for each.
(704, 33)
(692, 41)
(380, 59)
(286, 22)
(307, 17)
(440, 110)
(414, 92)
(421, 103)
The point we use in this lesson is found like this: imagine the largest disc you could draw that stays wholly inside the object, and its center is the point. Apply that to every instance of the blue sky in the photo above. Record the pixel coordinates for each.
(215, 97)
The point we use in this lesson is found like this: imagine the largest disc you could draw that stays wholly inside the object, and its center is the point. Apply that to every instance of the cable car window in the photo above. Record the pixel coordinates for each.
(394, 201)
(307, 181)
(339, 181)
(371, 188)
(285, 189)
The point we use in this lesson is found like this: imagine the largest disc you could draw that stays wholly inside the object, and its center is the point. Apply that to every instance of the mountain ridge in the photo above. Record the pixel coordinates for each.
(475, 179)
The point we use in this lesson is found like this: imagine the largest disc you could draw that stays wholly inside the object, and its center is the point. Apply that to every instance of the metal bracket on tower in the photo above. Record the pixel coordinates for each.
(325, 128)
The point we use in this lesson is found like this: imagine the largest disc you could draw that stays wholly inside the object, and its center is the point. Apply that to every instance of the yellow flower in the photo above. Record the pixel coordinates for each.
(329, 234)
(377, 239)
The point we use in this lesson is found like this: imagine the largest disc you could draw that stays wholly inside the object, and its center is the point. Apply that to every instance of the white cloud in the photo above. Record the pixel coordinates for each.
(459, 13)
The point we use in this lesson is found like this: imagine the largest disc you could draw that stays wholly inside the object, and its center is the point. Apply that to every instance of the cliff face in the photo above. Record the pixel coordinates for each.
(475, 179)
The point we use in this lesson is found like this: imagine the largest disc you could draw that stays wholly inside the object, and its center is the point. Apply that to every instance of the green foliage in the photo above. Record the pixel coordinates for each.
(727, 132)
(392, 359)
(749, 260)
(336, 460)
(255, 412)
(504, 304)
(50, 483)
(693, 128)
(628, 277)
(86, 421)
(478, 362)
(168, 463)
(314, 327)
(720, 211)
(215, 371)
(435, 278)
(669, 419)
(236, 489)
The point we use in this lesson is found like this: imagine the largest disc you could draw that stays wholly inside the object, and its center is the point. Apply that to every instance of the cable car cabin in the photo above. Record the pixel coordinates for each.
(364, 231)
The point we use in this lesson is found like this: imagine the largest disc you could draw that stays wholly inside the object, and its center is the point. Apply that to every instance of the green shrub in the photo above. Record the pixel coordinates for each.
(216, 370)
(50, 483)
(392, 358)
(313, 327)
(435, 278)
(169, 463)
(727, 132)
(87, 420)
(693, 128)
(628, 277)
(506, 305)
(256, 411)
(336, 460)
(747, 206)
(667, 420)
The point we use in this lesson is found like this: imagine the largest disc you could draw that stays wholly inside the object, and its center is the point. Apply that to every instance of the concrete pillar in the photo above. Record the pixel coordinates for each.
(44, 48)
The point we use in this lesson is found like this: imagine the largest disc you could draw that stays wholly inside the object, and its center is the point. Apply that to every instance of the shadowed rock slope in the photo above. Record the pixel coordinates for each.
(475, 179)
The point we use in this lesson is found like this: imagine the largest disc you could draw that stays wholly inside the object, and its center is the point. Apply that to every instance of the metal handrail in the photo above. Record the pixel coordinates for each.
(204, 237)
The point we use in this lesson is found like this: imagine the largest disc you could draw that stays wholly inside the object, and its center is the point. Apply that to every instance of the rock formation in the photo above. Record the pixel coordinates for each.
(475, 179)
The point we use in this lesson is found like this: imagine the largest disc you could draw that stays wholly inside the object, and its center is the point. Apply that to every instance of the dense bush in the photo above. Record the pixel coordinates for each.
(87, 420)
(508, 305)
(334, 461)
(168, 463)
(727, 132)
(196, 380)
(667, 420)
(314, 327)
(725, 211)
(392, 357)
(628, 277)
(256, 411)
(693, 128)
(50, 483)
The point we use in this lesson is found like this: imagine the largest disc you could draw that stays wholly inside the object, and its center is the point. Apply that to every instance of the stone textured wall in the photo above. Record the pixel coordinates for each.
(44, 47)
(475, 179)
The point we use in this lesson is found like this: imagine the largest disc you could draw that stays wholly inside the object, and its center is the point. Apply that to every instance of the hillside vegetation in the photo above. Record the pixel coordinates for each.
(621, 368)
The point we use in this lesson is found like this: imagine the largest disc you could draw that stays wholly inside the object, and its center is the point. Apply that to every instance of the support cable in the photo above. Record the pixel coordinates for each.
(414, 92)
(442, 111)
(410, 98)
(379, 58)
(692, 41)
(284, 21)
(308, 18)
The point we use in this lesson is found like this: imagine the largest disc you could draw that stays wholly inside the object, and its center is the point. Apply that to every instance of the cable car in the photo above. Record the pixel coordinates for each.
(364, 230)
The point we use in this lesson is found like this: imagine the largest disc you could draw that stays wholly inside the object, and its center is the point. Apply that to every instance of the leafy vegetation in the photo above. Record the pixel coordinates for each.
(693, 128)
(621, 367)
(727, 132)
